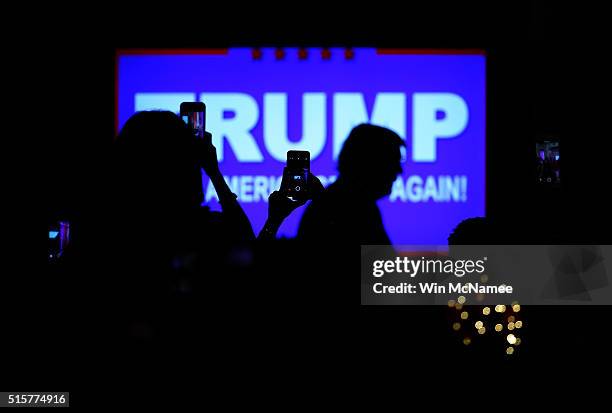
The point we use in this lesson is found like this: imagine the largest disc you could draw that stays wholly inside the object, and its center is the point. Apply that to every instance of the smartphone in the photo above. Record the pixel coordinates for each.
(548, 161)
(194, 115)
(296, 174)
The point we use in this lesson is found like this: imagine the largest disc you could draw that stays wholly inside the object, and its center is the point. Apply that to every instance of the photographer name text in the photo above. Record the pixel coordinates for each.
(435, 288)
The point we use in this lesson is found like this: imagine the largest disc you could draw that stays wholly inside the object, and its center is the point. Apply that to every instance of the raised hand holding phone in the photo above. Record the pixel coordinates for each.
(208, 155)
(298, 186)
(194, 116)
(296, 176)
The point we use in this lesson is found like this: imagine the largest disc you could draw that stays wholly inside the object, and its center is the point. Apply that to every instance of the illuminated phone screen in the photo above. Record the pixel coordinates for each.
(548, 162)
(196, 122)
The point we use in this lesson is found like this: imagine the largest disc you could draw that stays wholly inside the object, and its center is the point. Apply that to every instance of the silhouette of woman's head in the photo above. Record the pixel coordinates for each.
(370, 159)
(155, 163)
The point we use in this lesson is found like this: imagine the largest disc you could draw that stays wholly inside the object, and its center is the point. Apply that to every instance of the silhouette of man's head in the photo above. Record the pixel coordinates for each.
(156, 162)
(473, 231)
(370, 160)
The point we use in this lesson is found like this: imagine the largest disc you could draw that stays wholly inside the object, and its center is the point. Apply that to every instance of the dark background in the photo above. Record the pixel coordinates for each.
(547, 74)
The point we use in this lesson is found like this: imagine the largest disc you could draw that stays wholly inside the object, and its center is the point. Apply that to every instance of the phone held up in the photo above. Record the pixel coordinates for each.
(548, 162)
(194, 115)
(296, 175)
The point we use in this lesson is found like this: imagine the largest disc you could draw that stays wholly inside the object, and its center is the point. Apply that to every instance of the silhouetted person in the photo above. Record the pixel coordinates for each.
(474, 231)
(155, 254)
(346, 212)
(156, 173)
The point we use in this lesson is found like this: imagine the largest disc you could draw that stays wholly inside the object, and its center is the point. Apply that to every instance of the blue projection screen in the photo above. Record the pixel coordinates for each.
(262, 103)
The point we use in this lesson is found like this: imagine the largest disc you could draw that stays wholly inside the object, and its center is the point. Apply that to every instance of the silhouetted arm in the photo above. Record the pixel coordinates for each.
(280, 207)
(233, 215)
